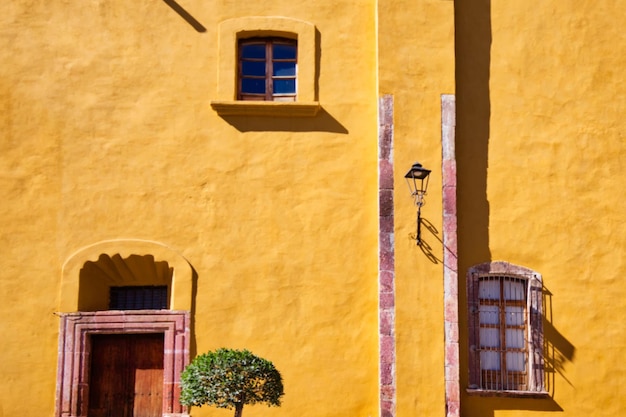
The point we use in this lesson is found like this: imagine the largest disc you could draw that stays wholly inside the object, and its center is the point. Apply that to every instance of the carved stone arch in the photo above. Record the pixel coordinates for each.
(77, 327)
(181, 274)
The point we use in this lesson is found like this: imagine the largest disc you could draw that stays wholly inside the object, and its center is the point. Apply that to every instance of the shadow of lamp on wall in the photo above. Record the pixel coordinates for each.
(417, 180)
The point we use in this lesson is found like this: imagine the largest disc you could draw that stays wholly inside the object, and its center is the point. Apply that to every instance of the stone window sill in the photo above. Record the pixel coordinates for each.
(266, 108)
(508, 394)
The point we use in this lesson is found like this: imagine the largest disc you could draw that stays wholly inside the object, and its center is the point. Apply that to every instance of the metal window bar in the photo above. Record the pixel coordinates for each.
(138, 298)
(502, 321)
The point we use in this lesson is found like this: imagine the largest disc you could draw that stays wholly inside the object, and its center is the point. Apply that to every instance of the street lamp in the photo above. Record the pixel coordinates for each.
(417, 180)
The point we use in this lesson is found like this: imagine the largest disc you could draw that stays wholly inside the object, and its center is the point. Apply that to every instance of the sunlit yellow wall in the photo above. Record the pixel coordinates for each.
(416, 64)
(541, 148)
(108, 133)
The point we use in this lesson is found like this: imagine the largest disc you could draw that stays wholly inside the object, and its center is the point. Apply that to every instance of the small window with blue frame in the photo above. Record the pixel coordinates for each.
(267, 69)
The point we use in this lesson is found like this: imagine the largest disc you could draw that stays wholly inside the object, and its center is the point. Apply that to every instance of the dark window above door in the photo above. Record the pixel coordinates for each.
(153, 297)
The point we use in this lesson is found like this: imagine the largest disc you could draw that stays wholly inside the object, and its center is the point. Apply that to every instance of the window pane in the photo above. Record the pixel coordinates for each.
(253, 85)
(253, 68)
(284, 69)
(489, 337)
(514, 315)
(285, 86)
(489, 289)
(514, 339)
(515, 361)
(514, 290)
(489, 314)
(489, 360)
(253, 50)
(284, 51)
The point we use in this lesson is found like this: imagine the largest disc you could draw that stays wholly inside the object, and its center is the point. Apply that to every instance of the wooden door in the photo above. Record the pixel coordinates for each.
(126, 375)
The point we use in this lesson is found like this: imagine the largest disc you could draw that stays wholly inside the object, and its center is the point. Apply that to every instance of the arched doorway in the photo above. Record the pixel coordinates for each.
(122, 343)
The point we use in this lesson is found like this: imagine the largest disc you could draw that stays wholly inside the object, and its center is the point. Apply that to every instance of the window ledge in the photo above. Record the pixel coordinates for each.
(266, 108)
(509, 394)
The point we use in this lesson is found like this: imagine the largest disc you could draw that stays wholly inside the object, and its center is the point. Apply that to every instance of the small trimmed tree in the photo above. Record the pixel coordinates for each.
(228, 378)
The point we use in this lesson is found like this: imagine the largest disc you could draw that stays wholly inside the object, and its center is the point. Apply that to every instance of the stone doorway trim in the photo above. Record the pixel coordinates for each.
(75, 349)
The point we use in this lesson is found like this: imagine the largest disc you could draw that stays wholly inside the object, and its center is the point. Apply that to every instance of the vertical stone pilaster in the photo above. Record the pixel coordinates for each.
(386, 265)
(450, 258)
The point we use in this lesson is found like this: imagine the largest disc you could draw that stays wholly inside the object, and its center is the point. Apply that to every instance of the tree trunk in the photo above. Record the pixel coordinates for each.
(238, 409)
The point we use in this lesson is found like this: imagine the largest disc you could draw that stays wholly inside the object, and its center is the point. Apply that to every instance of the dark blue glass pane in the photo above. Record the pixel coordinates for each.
(283, 51)
(253, 68)
(284, 69)
(253, 50)
(253, 85)
(287, 86)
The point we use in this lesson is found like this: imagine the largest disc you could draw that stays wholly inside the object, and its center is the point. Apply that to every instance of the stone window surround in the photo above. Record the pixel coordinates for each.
(230, 31)
(534, 329)
(75, 350)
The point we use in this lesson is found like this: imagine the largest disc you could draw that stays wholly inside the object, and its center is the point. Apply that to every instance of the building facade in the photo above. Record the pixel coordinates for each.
(182, 175)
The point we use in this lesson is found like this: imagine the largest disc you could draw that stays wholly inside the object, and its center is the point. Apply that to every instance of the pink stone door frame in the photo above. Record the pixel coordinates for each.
(75, 352)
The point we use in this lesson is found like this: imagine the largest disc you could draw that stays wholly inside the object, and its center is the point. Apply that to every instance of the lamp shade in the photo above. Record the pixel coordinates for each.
(417, 172)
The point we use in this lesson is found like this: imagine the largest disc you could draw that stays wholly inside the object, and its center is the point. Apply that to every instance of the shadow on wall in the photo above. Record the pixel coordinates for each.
(472, 20)
(185, 15)
(322, 122)
(431, 243)
(473, 38)
(558, 351)
(486, 406)
(473, 59)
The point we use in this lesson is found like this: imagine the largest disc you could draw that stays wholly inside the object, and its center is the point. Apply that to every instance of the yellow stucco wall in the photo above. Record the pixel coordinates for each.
(108, 133)
(109, 138)
(540, 142)
(416, 64)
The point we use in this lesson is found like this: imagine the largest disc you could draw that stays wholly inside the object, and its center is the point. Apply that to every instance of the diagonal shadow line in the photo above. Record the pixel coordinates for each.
(185, 15)
(428, 249)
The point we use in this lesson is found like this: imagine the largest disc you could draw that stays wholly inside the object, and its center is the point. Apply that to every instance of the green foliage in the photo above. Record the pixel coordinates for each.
(228, 378)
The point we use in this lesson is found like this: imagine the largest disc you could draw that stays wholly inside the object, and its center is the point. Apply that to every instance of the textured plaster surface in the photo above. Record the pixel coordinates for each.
(416, 66)
(540, 153)
(108, 135)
